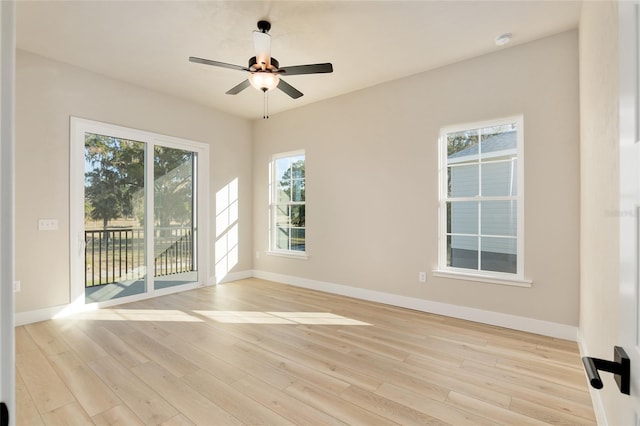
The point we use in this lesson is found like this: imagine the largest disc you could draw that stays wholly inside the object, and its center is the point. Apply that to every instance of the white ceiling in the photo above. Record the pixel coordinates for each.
(148, 43)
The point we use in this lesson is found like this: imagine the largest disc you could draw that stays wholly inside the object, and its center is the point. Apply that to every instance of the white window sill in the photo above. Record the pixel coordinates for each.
(289, 254)
(482, 278)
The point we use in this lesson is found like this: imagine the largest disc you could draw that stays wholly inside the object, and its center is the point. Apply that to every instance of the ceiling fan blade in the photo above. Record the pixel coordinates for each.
(262, 45)
(289, 89)
(217, 64)
(307, 69)
(238, 88)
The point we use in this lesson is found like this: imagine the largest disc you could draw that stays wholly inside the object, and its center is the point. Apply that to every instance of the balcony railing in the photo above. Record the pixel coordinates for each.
(115, 255)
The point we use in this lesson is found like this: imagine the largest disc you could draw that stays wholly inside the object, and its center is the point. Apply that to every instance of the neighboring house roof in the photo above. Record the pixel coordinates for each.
(506, 141)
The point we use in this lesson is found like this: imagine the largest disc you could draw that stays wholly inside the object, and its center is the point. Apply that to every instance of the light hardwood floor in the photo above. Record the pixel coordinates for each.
(257, 352)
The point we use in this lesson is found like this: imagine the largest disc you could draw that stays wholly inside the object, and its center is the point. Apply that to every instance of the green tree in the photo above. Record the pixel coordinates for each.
(115, 180)
(115, 171)
(460, 141)
(292, 183)
(173, 186)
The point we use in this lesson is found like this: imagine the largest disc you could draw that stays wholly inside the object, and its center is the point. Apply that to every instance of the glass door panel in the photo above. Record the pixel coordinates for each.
(175, 236)
(114, 212)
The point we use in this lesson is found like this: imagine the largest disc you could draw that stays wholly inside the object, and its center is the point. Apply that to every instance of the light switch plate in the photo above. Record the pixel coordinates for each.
(47, 224)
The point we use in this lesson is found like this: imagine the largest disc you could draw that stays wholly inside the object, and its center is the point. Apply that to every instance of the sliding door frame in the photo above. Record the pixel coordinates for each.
(78, 128)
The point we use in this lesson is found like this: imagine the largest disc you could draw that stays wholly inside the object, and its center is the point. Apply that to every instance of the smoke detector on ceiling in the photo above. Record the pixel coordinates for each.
(503, 39)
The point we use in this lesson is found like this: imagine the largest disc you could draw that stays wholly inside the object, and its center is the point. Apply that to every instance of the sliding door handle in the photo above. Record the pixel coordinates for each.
(620, 367)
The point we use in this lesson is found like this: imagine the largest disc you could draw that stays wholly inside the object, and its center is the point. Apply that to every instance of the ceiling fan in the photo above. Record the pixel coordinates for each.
(265, 70)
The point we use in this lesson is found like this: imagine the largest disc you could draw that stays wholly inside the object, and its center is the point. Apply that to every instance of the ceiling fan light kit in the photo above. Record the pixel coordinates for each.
(264, 81)
(264, 70)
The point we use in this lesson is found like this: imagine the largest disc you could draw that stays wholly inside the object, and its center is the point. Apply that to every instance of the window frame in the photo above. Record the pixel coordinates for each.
(273, 188)
(495, 277)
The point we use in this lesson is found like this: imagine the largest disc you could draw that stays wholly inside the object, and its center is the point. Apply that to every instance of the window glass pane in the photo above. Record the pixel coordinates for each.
(499, 178)
(282, 168)
(462, 145)
(498, 141)
(297, 215)
(462, 217)
(282, 215)
(282, 238)
(114, 207)
(297, 166)
(175, 236)
(499, 254)
(298, 239)
(283, 194)
(499, 218)
(463, 181)
(298, 190)
(462, 252)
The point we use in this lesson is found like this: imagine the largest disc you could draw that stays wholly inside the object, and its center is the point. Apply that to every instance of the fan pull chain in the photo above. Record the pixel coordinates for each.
(265, 114)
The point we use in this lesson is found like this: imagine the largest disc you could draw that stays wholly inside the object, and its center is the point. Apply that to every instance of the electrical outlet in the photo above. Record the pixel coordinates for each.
(422, 277)
(47, 224)
(16, 286)
(258, 254)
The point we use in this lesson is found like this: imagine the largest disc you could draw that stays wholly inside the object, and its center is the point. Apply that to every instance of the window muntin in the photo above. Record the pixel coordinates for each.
(288, 203)
(481, 199)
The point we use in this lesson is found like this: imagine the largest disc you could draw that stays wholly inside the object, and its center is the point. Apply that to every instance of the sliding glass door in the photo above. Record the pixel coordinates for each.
(175, 236)
(114, 213)
(139, 228)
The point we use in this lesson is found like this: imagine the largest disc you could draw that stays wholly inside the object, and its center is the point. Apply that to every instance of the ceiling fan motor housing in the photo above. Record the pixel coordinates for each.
(253, 64)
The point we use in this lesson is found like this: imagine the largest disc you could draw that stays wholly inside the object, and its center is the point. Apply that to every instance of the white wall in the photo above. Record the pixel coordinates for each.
(372, 179)
(7, 212)
(47, 94)
(599, 201)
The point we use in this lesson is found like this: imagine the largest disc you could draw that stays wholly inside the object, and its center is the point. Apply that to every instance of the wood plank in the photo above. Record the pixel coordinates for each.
(92, 394)
(547, 414)
(24, 342)
(46, 388)
(492, 412)
(283, 404)
(158, 353)
(294, 369)
(146, 403)
(78, 341)
(26, 411)
(188, 401)
(71, 414)
(178, 420)
(119, 415)
(385, 407)
(46, 338)
(236, 403)
(330, 403)
(518, 384)
(113, 345)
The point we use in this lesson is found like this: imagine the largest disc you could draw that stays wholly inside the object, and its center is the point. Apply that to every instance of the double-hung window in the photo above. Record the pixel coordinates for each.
(481, 200)
(288, 204)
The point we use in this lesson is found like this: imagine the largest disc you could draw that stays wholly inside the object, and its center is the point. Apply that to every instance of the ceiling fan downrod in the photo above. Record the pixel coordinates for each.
(264, 26)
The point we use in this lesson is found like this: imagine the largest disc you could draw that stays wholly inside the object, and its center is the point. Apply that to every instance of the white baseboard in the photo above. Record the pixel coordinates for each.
(596, 400)
(30, 317)
(545, 328)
